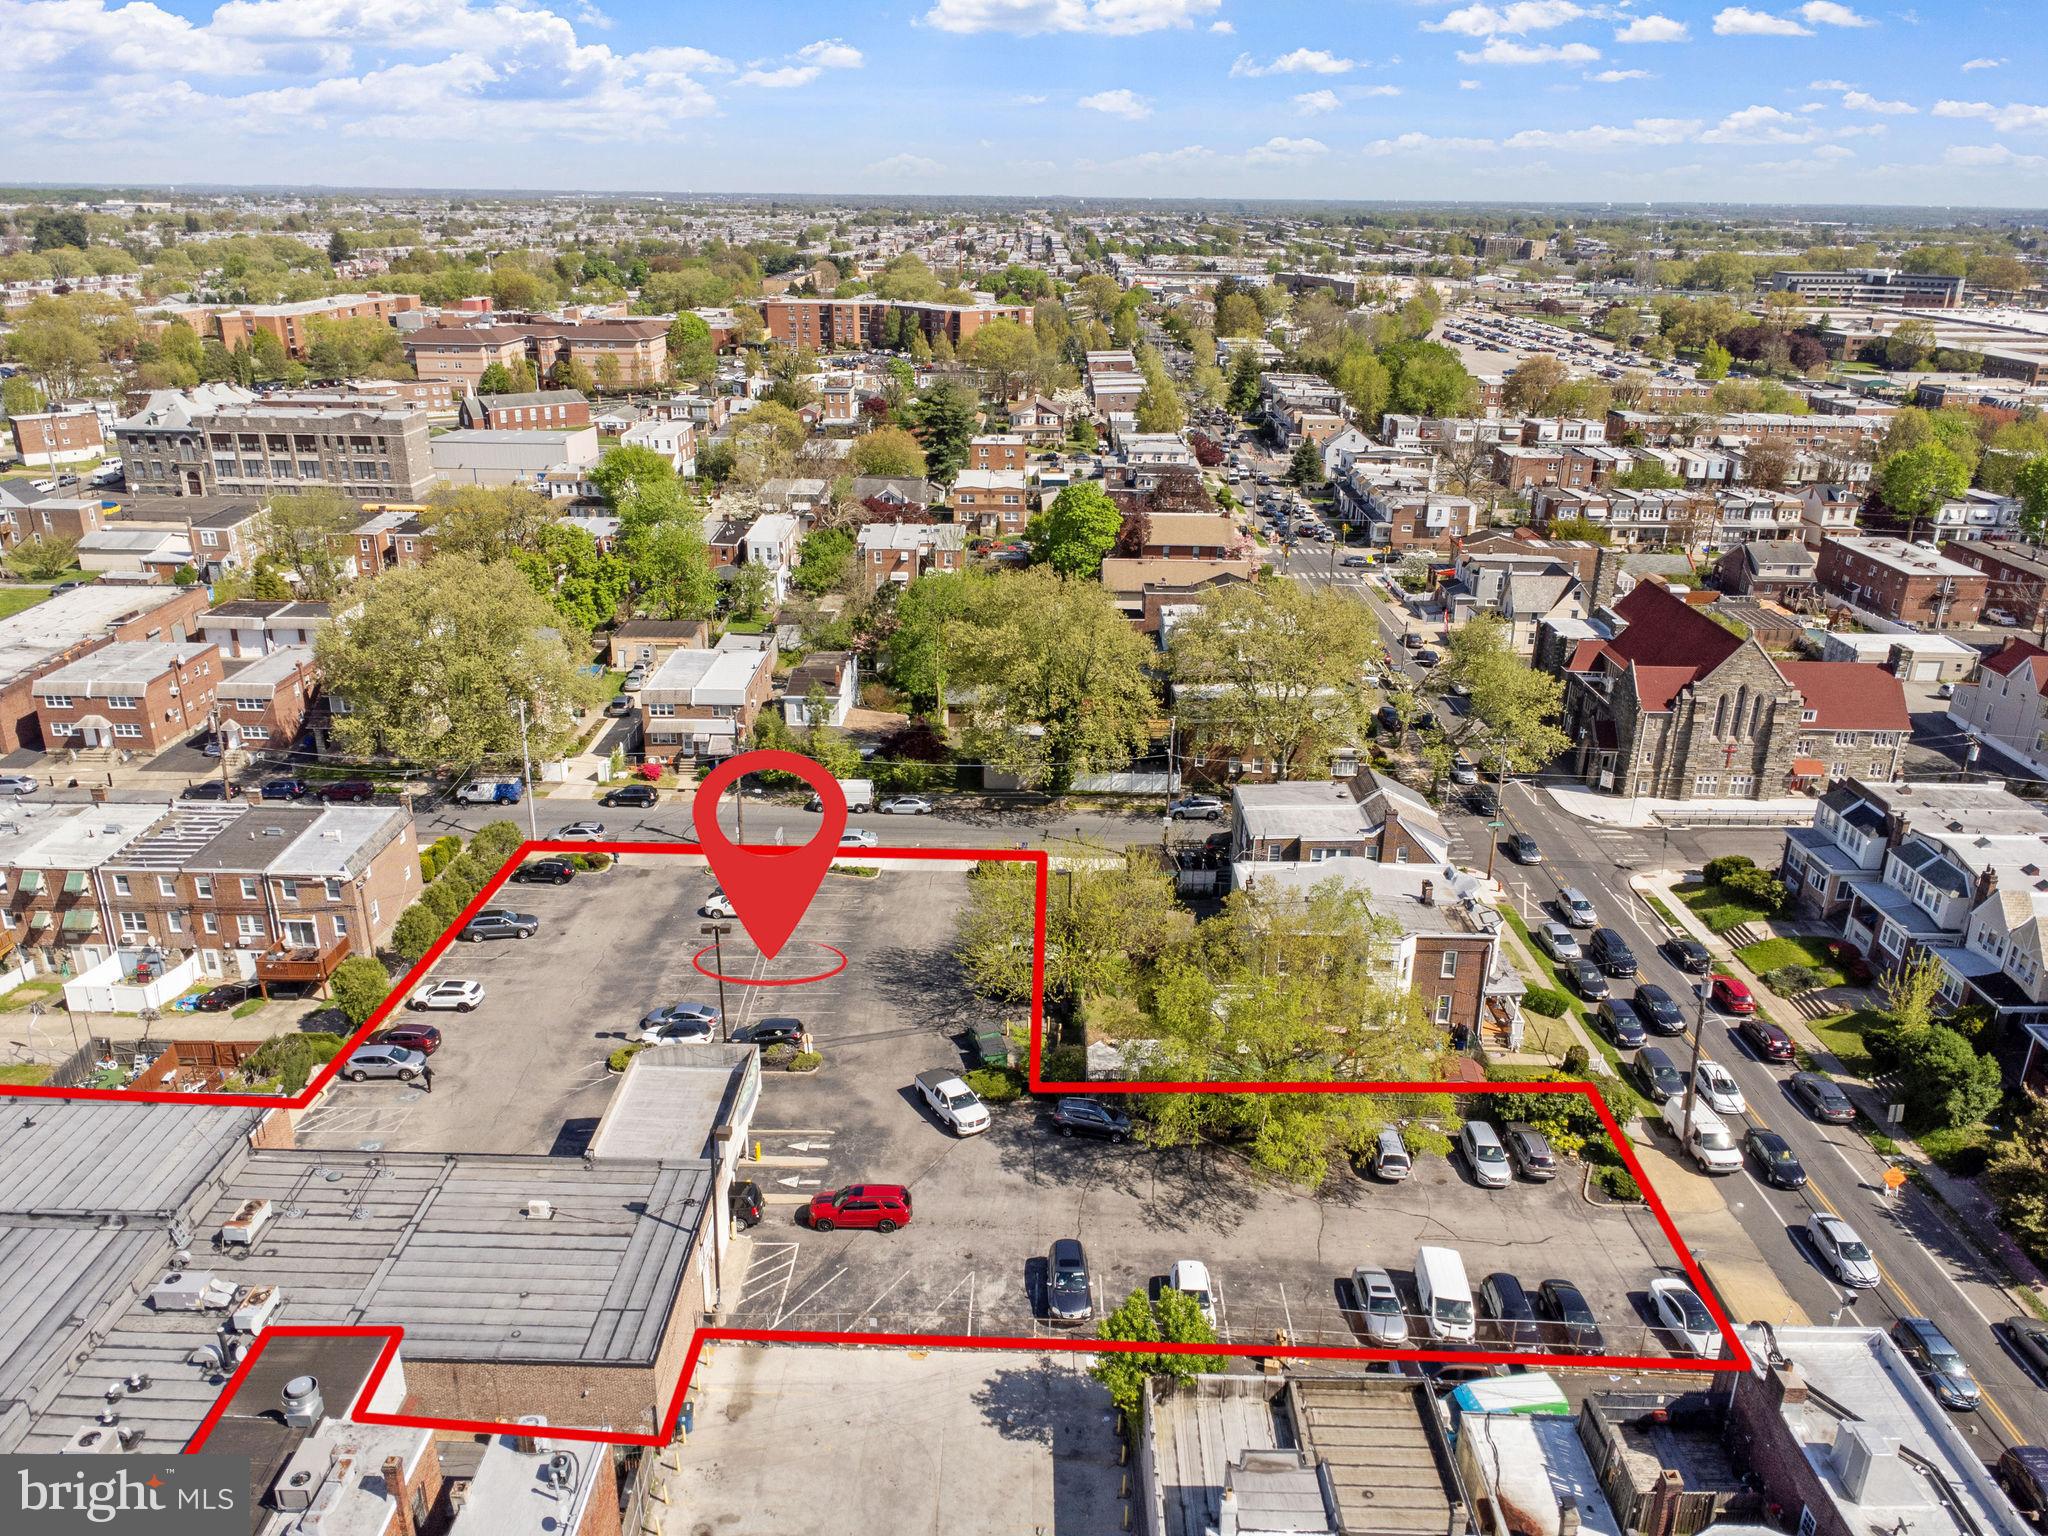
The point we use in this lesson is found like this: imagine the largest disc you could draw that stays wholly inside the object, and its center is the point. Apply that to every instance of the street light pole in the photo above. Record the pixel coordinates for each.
(526, 768)
(716, 932)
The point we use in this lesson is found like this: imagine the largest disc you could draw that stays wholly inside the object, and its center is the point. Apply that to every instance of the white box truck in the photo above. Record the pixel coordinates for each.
(859, 793)
(1445, 1294)
(1711, 1143)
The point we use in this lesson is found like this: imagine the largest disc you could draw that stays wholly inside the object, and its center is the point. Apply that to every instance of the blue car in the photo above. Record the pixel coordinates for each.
(284, 789)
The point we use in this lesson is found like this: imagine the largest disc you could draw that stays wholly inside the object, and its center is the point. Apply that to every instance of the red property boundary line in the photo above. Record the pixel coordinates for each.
(1734, 1357)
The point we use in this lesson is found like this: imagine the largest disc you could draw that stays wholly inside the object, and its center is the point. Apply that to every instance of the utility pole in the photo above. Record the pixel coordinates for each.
(1500, 808)
(716, 932)
(526, 768)
(1699, 1035)
(221, 745)
(739, 808)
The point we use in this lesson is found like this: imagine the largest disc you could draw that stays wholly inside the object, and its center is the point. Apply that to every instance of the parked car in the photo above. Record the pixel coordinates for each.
(580, 831)
(348, 792)
(1557, 940)
(1610, 950)
(1428, 658)
(687, 1023)
(956, 1104)
(1196, 808)
(745, 1201)
(491, 792)
(618, 706)
(1086, 1117)
(717, 904)
(1388, 717)
(1714, 1083)
(1575, 909)
(1842, 1251)
(906, 805)
(635, 795)
(1824, 1099)
(1679, 1310)
(1464, 770)
(284, 789)
(1566, 1320)
(1483, 800)
(1940, 1365)
(1523, 850)
(1191, 1278)
(1587, 979)
(229, 994)
(1765, 1038)
(859, 837)
(1391, 1159)
(367, 1061)
(1656, 1074)
(1689, 955)
(18, 784)
(1386, 1320)
(498, 923)
(546, 871)
(1508, 1314)
(876, 1207)
(1411, 640)
(634, 680)
(205, 789)
(1530, 1152)
(1069, 1296)
(1619, 1021)
(1731, 995)
(2028, 1337)
(767, 1032)
(1485, 1156)
(1775, 1162)
(2023, 1473)
(451, 996)
(1659, 1010)
(424, 1038)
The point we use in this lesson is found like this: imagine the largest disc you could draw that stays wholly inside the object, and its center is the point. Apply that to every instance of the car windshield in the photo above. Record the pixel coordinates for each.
(1384, 1304)
(960, 1100)
(1693, 1314)
(1450, 1311)
(1487, 1152)
(1072, 1282)
(1853, 1250)
(1715, 1141)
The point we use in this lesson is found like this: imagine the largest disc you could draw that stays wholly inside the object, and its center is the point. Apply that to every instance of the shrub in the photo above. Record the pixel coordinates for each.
(360, 984)
(806, 1061)
(777, 1055)
(592, 862)
(494, 843)
(292, 1059)
(1619, 1183)
(443, 901)
(1759, 886)
(1548, 1001)
(416, 930)
(1791, 980)
(1718, 870)
(1945, 1082)
(619, 1058)
(1065, 1064)
(1576, 1062)
(997, 1085)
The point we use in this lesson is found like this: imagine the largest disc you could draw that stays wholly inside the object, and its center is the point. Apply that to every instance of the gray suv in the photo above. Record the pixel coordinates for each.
(367, 1061)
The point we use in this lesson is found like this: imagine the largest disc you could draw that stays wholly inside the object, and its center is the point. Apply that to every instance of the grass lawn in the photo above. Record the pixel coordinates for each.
(1770, 954)
(1961, 1151)
(1719, 908)
(31, 992)
(24, 1074)
(14, 599)
(1548, 976)
(1843, 1035)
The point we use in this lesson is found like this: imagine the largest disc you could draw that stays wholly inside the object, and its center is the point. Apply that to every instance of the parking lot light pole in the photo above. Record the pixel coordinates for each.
(716, 932)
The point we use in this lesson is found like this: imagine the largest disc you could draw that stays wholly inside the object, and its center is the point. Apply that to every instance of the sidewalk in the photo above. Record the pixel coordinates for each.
(1586, 803)
(1534, 1027)
(1749, 1287)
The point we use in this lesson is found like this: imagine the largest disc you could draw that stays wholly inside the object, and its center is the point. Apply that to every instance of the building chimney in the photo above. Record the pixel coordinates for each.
(1568, 1519)
(394, 1484)
(1788, 1386)
(1606, 578)
(1429, 893)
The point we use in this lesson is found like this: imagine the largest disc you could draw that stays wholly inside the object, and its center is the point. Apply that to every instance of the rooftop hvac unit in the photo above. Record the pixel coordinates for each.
(540, 1210)
(303, 1405)
(190, 1290)
(253, 1312)
(91, 1439)
(241, 1228)
(524, 1443)
(311, 1468)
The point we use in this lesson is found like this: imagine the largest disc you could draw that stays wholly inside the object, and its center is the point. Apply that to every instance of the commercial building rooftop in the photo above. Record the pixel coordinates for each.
(30, 638)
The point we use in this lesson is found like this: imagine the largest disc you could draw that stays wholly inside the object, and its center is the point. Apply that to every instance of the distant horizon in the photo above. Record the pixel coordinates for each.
(1837, 103)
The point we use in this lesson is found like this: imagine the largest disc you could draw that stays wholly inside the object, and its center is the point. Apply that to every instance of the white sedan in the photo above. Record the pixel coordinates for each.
(858, 837)
(720, 905)
(1718, 1088)
(906, 805)
(1679, 1310)
(443, 996)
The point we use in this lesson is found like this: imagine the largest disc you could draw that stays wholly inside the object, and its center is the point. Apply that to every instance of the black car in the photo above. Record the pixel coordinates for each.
(1389, 718)
(1567, 1322)
(284, 789)
(205, 789)
(1620, 1023)
(1587, 979)
(1523, 850)
(496, 923)
(1689, 955)
(1822, 1098)
(1656, 1074)
(1483, 800)
(1085, 1117)
(1069, 1297)
(1659, 1010)
(630, 795)
(546, 871)
(1612, 953)
(2023, 1474)
(1427, 658)
(1774, 1160)
(745, 1201)
(1506, 1312)
(767, 1032)
(229, 994)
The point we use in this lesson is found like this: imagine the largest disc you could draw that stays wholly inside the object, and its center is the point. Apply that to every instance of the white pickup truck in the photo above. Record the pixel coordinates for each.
(953, 1101)
(1708, 1139)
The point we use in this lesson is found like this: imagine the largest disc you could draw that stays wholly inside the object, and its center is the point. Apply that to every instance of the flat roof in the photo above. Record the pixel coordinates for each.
(125, 666)
(670, 1101)
(72, 837)
(262, 674)
(30, 638)
(1316, 809)
(1538, 1467)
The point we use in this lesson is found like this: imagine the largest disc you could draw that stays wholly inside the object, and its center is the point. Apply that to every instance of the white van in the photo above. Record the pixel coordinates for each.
(1445, 1293)
(1711, 1143)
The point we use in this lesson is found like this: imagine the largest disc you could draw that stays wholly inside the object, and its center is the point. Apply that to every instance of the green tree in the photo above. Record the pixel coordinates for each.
(1273, 672)
(307, 533)
(823, 560)
(887, 451)
(485, 522)
(1918, 482)
(1511, 709)
(360, 983)
(416, 930)
(671, 572)
(1081, 435)
(1172, 1319)
(2017, 1177)
(1242, 395)
(1159, 407)
(435, 657)
(1909, 996)
(2030, 486)
(746, 592)
(1077, 532)
(19, 396)
(692, 353)
(945, 419)
(494, 380)
(42, 558)
(1944, 1081)
(1108, 924)
(1647, 474)
(587, 585)
(1910, 344)
(337, 247)
(1714, 362)
(1305, 468)
(1006, 353)
(1428, 379)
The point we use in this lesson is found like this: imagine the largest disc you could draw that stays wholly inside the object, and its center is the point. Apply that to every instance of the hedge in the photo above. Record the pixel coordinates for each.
(1547, 1001)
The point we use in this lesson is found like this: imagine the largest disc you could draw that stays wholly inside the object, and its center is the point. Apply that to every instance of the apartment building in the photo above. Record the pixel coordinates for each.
(674, 439)
(52, 517)
(292, 324)
(703, 704)
(1909, 583)
(618, 352)
(2016, 585)
(1950, 871)
(994, 502)
(1151, 593)
(68, 435)
(51, 915)
(388, 538)
(1005, 450)
(537, 410)
(136, 695)
(1779, 569)
(838, 325)
(1873, 286)
(253, 449)
(264, 701)
(1402, 520)
(899, 553)
(72, 625)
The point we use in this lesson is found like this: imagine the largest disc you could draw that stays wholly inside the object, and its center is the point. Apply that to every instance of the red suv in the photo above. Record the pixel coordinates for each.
(885, 1207)
(1732, 996)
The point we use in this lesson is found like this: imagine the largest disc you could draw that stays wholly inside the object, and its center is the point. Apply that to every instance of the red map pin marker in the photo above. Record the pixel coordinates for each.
(770, 886)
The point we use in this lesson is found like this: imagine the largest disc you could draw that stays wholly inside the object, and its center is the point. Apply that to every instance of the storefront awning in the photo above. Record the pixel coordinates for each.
(31, 879)
(74, 882)
(39, 920)
(81, 920)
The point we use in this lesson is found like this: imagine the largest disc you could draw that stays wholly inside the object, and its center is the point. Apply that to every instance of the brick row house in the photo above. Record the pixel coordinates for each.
(68, 435)
(703, 704)
(993, 502)
(837, 325)
(1908, 583)
(141, 696)
(617, 352)
(71, 625)
(898, 553)
(264, 701)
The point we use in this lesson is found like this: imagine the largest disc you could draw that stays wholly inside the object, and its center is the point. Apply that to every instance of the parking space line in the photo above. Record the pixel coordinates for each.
(872, 1305)
(788, 1312)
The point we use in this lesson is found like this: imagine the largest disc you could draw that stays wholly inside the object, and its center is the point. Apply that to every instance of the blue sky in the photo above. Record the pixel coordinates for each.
(1945, 102)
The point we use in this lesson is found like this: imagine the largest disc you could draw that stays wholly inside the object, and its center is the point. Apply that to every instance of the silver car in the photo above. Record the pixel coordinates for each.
(1554, 937)
(368, 1061)
(1386, 1320)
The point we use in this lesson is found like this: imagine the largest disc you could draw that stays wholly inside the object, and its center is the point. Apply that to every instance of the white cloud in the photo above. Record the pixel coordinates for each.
(1468, 85)
(1644, 130)
(1499, 50)
(1828, 13)
(1381, 90)
(1519, 16)
(814, 59)
(1224, 27)
(1829, 85)
(1309, 103)
(1833, 152)
(1423, 143)
(1303, 61)
(1026, 99)
(1653, 29)
(831, 53)
(1863, 101)
(1616, 76)
(1283, 151)
(1760, 125)
(1118, 103)
(1979, 155)
(1027, 18)
(904, 167)
(1970, 64)
(2017, 117)
(1740, 21)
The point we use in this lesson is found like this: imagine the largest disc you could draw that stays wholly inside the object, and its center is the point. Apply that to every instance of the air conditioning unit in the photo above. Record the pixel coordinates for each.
(253, 1312)
(240, 1229)
(311, 1467)
(190, 1290)
(91, 1440)
(540, 1210)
